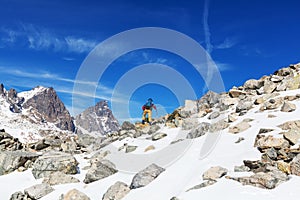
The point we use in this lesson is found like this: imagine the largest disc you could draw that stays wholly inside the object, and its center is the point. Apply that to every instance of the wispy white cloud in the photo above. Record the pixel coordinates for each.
(39, 38)
(42, 75)
(68, 59)
(228, 43)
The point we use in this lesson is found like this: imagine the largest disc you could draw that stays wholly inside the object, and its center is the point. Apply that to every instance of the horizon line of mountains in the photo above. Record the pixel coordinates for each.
(43, 105)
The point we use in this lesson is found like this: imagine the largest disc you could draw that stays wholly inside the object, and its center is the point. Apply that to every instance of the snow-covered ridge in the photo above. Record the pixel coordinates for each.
(31, 93)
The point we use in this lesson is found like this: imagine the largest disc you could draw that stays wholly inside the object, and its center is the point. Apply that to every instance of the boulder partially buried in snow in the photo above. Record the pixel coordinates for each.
(292, 135)
(266, 180)
(53, 162)
(295, 165)
(117, 191)
(146, 176)
(12, 160)
(100, 170)
(202, 129)
(270, 141)
(38, 191)
(214, 173)
(242, 126)
(253, 84)
(57, 178)
(74, 195)
(288, 107)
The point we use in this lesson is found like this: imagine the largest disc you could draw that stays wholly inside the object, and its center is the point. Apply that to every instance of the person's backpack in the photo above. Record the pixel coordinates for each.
(147, 105)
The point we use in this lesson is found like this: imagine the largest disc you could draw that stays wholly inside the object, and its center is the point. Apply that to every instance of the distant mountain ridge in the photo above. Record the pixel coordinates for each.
(41, 109)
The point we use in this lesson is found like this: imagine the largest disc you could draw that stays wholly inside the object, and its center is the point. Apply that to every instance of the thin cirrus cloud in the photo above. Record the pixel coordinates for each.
(228, 43)
(37, 38)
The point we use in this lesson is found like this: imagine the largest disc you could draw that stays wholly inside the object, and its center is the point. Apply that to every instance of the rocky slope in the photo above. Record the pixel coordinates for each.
(97, 120)
(254, 132)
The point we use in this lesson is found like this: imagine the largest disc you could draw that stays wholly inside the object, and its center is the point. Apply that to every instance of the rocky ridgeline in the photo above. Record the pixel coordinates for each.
(280, 157)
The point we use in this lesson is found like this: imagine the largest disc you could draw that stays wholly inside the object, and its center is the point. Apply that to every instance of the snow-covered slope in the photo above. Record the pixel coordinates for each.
(181, 157)
(25, 124)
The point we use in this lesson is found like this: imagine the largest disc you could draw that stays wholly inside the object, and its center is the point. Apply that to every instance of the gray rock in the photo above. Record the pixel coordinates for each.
(174, 198)
(272, 104)
(189, 123)
(9, 143)
(98, 118)
(57, 178)
(276, 79)
(288, 107)
(272, 153)
(116, 191)
(69, 146)
(270, 141)
(253, 84)
(100, 170)
(158, 136)
(18, 196)
(214, 173)
(282, 86)
(242, 126)
(290, 125)
(214, 115)
(210, 98)
(218, 126)
(269, 87)
(53, 162)
(150, 129)
(235, 93)
(130, 148)
(127, 126)
(85, 140)
(243, 106)
(239, 140)
(38, 191)
(241, 168)
(146, 176)
(190, 107)
(74, 195)
(202, 185)
(295, 165)
(283, 72)
(232, 117)
(12, 160)
(266, 180)
(201, 130)
(265, 130)
(293, 136)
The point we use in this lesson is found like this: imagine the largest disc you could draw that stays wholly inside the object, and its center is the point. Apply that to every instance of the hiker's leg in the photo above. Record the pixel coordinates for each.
(144, 116)
(150, 116)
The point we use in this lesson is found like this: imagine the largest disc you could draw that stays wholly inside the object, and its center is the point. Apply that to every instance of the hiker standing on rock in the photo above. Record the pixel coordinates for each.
(147, 111)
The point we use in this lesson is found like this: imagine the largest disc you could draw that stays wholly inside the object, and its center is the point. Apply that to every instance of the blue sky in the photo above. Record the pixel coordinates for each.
(45, 42)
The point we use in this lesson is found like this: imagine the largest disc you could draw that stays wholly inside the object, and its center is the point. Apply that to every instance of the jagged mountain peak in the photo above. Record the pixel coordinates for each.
(97, 120)
(34, 110)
